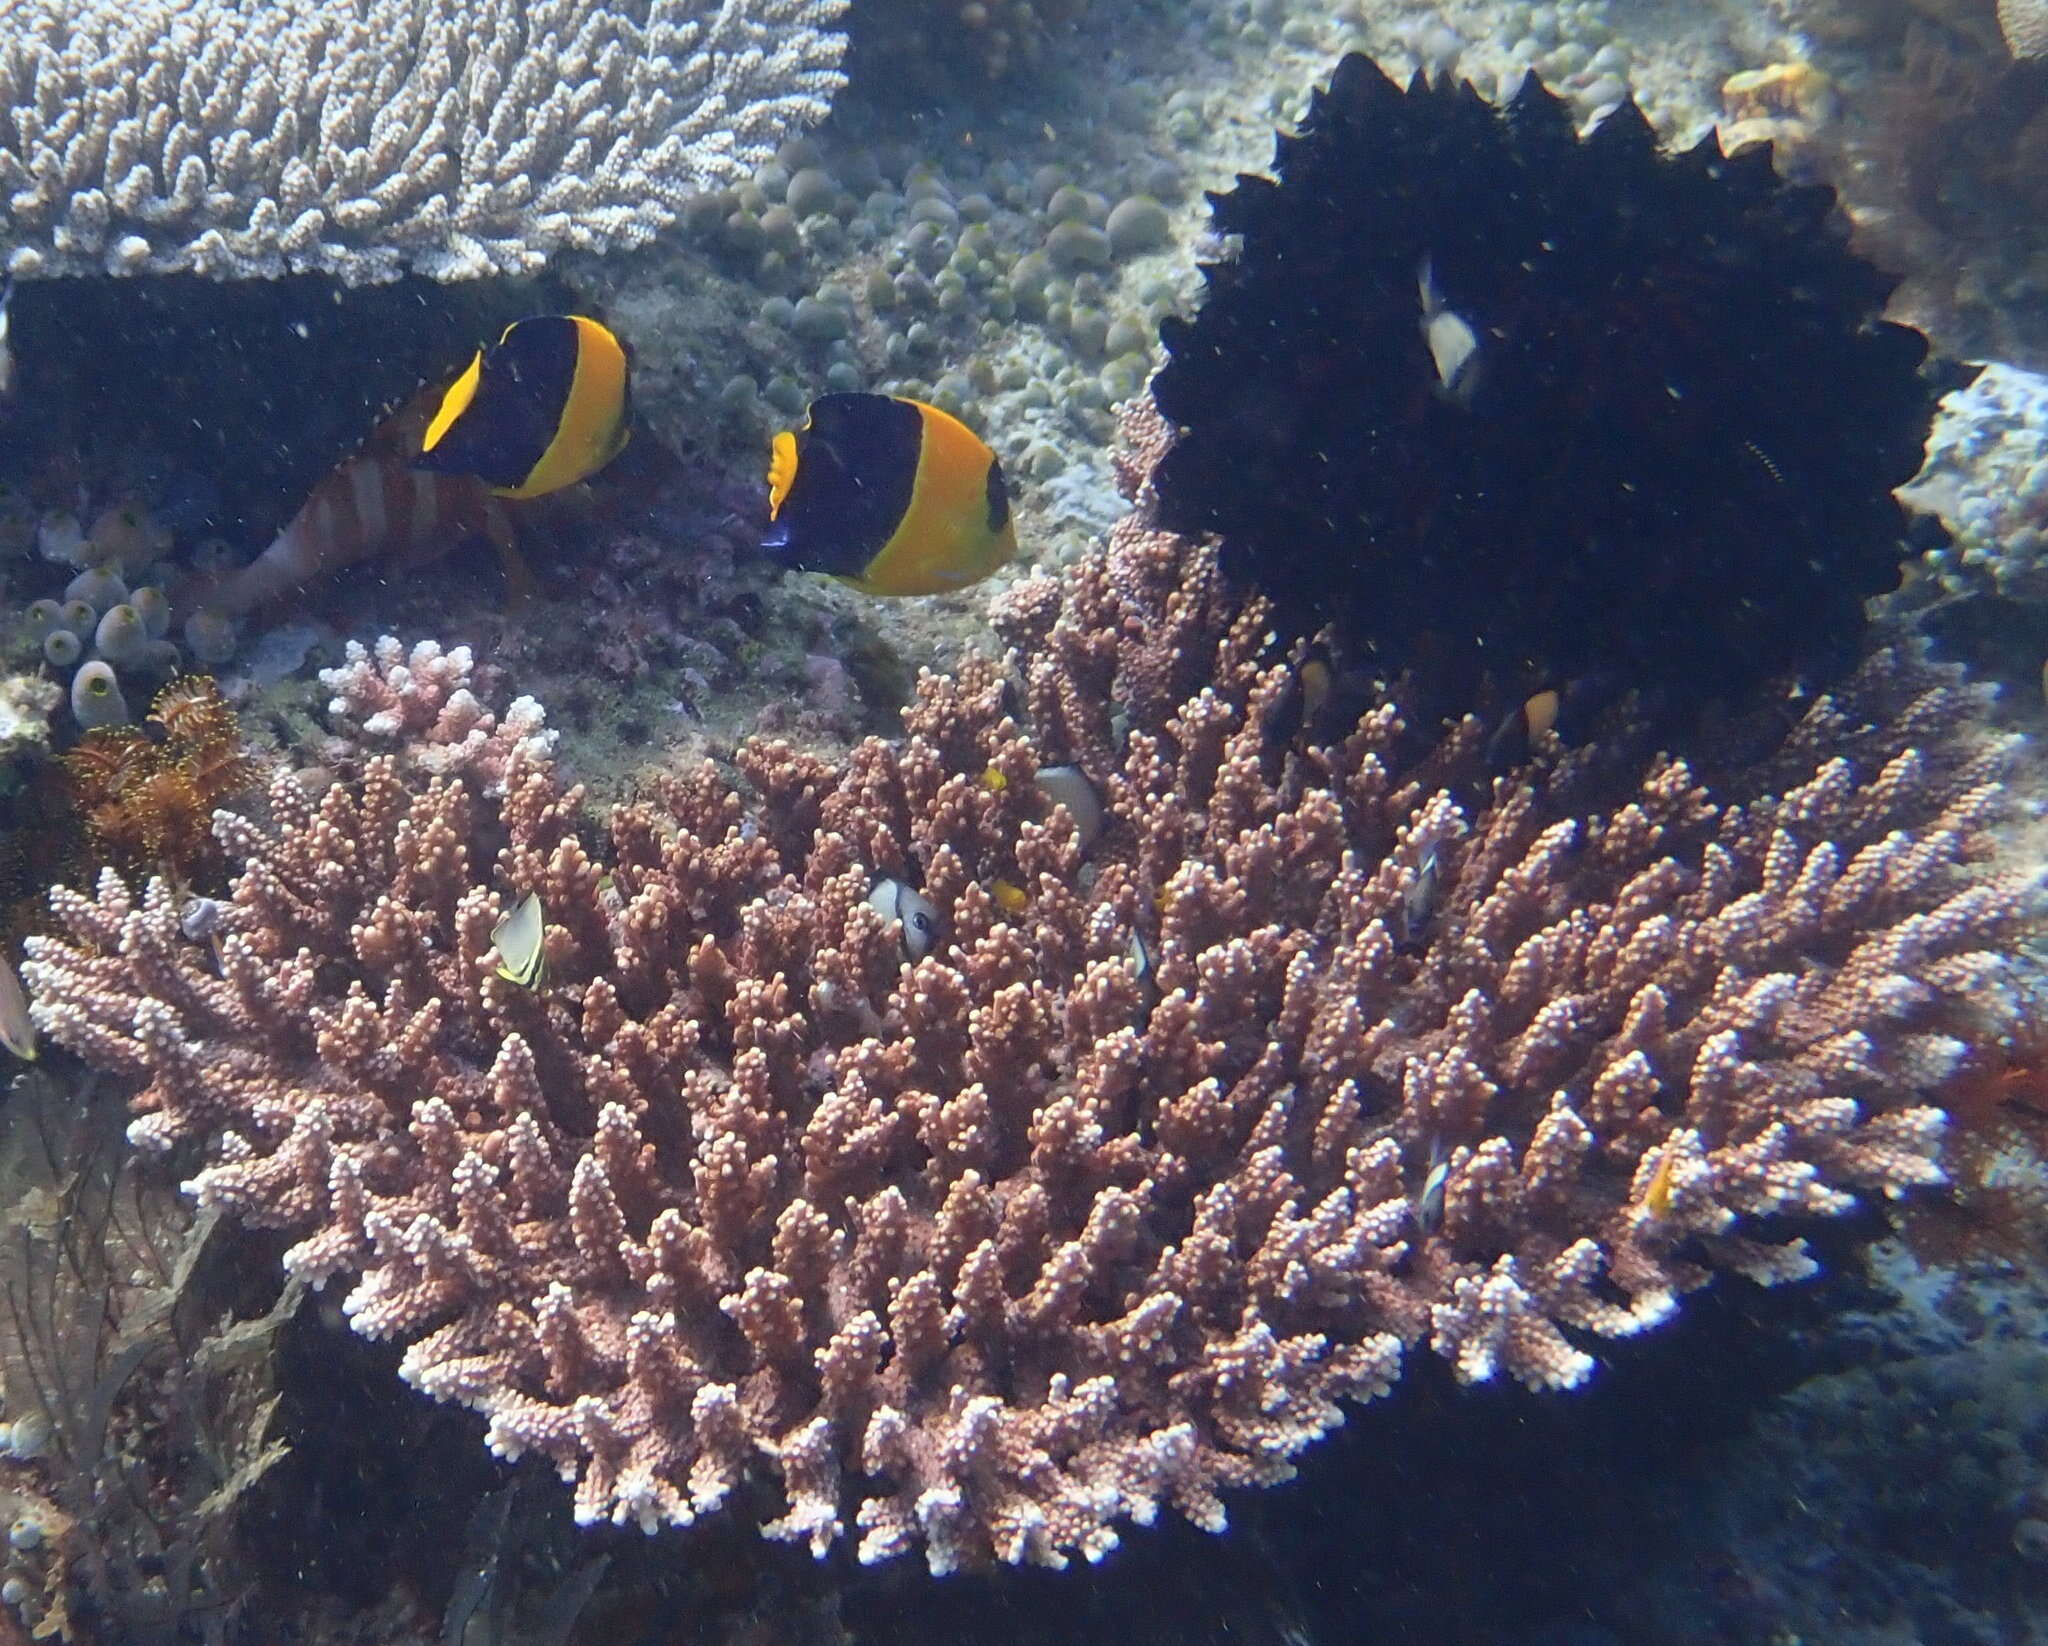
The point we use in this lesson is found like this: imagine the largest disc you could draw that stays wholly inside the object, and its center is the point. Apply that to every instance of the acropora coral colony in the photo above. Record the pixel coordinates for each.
(1103, 1203)
(1219, 1064)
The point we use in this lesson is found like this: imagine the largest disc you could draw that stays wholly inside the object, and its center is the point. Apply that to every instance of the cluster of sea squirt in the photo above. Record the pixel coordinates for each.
(1512, 407)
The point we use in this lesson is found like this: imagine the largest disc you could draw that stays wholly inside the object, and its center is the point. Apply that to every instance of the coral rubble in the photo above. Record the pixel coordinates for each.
(1165, 1132)
(26, 703)
(1669, 446)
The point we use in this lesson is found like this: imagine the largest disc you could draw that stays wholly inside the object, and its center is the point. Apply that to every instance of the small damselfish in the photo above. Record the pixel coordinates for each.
(545, 406)
(891, 496)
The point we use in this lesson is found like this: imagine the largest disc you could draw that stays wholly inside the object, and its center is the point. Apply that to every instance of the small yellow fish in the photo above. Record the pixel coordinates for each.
(1299, 710)
(1519, 736)
(994, 781)
(889, 495)
(1010, 897)
(519, 939)
(1657, 1197)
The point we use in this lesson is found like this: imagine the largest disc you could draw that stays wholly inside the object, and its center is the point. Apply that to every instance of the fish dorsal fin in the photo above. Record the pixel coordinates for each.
(457, 400)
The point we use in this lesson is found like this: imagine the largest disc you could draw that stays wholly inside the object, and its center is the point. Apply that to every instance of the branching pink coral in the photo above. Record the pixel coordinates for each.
(1163, 1149)
(422, 706)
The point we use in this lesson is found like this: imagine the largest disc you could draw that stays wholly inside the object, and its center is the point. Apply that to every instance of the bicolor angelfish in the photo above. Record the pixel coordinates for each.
(889, 495)
(545, 406)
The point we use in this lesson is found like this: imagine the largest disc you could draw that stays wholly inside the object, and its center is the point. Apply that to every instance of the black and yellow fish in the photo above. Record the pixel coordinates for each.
(1567, 710)
(892, 496)
(545, 406)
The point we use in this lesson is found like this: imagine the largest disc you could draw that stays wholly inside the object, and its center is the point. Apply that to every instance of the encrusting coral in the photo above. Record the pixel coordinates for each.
(1164, 1133)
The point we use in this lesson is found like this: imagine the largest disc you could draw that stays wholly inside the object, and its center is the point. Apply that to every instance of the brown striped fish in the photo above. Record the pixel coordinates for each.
(376, 506)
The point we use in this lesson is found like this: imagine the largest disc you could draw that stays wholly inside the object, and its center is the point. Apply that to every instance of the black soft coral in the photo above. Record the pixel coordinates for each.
(1685, 418)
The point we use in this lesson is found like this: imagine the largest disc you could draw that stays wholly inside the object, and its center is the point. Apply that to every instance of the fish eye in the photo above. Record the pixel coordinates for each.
(921, 922)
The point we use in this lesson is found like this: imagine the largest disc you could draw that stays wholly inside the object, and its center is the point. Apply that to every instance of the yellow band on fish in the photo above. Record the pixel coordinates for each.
(891, 495)
(781, 471)
(546, 406)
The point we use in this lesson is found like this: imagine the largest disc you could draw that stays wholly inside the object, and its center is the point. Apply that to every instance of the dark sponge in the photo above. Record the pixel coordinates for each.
(1675, 466)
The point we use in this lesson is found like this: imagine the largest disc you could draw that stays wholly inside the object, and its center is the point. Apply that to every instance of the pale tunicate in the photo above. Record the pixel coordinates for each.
(155, 608)
(98, 587)
(96, 698)
(59, 537)
(122, 636)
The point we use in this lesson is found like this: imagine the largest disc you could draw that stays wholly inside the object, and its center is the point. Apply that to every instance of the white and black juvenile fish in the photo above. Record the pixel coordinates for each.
(6, 348)
(1453, 344)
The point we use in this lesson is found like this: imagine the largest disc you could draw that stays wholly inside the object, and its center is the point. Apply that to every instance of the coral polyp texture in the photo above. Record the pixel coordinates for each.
(422, 705)
(1167, 1134)
(365, 138)
(1503, 401)
(2024, 23)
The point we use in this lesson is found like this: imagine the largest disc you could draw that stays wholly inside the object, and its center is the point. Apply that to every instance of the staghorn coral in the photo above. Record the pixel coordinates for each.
(149, 800)
(423, 705)
(365, 139)
(1107, 1201)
